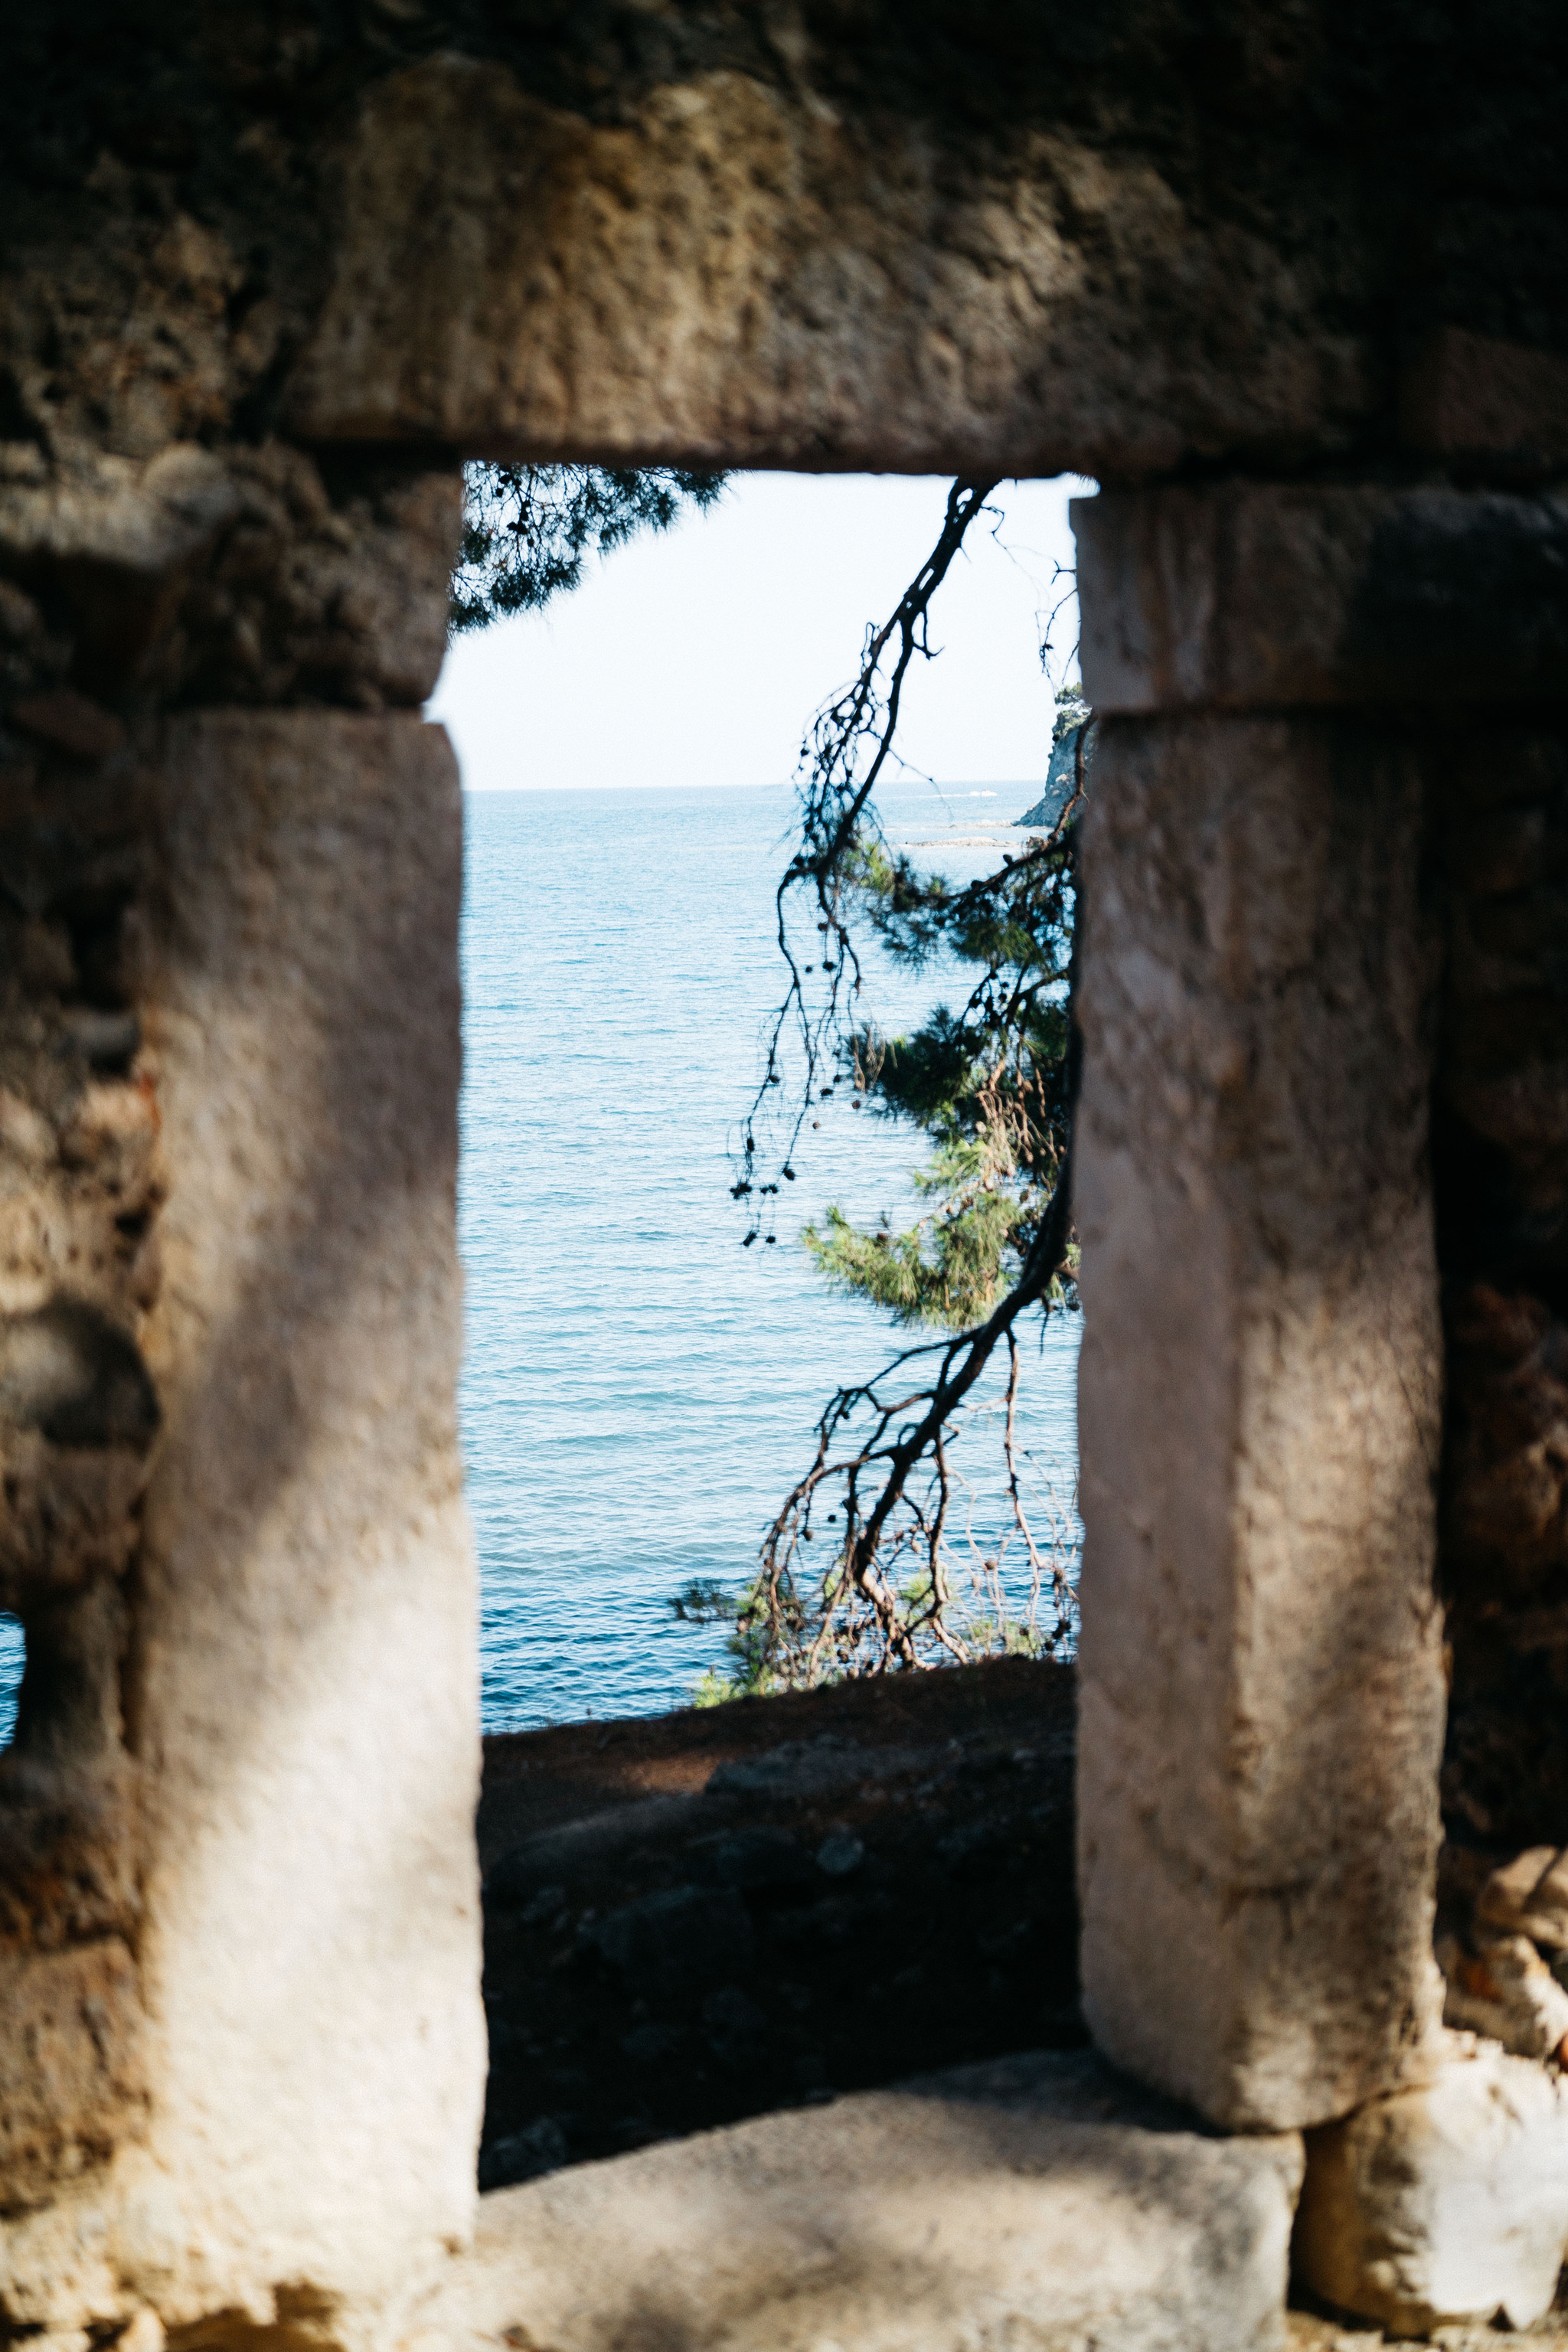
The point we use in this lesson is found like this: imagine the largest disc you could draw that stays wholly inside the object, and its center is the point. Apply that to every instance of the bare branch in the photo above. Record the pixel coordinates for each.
(884, 1447)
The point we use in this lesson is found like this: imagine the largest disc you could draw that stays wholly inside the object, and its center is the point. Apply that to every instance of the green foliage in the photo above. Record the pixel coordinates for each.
(876, 1559)
(988, 1085)
(752, 1674)
(528, 531)
(946, 1271)
(1072, 712)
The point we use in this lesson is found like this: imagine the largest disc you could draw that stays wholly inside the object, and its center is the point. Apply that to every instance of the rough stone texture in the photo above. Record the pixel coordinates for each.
(1443, 2203)
(300, 1688)
(208, 576)
(1504, 1989)
(1038, 2201)
(1475, 400)
(732, 275)
(1261, 1697)
(1262, 596)
(72, 2080)
(1319, 242)
(1529, 1897)
(1502, 1173)
(80, 1185)
(805, 234)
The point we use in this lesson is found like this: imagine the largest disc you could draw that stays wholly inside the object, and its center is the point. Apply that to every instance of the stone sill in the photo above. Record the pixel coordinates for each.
(1040, 2201)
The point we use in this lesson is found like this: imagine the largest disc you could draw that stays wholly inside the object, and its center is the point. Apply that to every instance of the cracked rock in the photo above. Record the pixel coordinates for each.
(1443, 2203)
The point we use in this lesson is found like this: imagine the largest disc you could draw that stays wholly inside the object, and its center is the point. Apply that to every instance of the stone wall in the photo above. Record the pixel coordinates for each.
(1296, 276)
(233, 1531)
(1503, 1197)
(926, 238)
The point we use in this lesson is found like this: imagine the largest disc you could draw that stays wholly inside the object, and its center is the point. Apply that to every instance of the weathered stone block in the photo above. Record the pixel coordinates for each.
(71, 2073)
(1500, 1986)
(300, 1688)
(1261, 1696)
(1442, 2203)
(726, 269)
(1038, 2200)
(1266, 596)
(1529, 1897)
(1483, 399)
(240, 575)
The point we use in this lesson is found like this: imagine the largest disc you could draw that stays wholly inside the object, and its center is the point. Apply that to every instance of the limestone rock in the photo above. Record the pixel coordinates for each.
(1186, 597)
(307, 1948)
(1529, 1897)
(1062, 776)
(70, 2063)
(1443, 2203)
(1505, 1990)
(1040, 2202)
(511, 236)
(67, 1371)
(1261, 1704)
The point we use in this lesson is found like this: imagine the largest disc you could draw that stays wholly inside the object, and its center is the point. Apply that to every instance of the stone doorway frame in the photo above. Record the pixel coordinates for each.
(230, 1715)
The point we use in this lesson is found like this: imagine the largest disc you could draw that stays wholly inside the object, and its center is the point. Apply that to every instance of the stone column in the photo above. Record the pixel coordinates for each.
(305, 1665)
(1260, 1397)
(242, 2049)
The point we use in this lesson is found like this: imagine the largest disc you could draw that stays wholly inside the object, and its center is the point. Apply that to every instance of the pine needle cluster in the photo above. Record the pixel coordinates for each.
(528, 530)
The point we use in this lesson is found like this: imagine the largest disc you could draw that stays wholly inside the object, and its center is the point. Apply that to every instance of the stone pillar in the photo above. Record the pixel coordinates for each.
(1262, 1694)
(242, 2048)
(305, 1668)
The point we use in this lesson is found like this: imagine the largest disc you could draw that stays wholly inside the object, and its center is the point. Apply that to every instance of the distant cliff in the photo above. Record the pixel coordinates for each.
(1061, 776)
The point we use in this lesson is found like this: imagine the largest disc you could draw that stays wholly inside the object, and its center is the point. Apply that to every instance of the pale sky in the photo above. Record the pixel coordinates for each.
(697, 657)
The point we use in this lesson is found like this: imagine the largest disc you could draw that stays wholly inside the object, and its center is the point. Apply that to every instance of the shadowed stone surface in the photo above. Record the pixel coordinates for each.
(301, 1702)
(1039, 2201)
(1262, 1695)
(1256, 597)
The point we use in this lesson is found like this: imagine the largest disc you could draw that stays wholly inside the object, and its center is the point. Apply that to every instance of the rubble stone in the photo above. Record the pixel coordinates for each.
(1505, 1989)
(1442, 2203)
(1529, 1897)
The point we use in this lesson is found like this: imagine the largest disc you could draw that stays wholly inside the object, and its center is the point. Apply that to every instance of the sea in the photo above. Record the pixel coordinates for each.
(639, 1389)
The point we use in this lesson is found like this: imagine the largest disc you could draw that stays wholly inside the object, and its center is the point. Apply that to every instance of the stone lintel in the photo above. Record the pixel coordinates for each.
(1267, 597)
(735, 275)
(1040, 2201)
(1261, 1692)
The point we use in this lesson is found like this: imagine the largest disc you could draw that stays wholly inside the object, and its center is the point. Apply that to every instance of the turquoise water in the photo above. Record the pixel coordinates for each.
(10, 1674)
(638, 1391)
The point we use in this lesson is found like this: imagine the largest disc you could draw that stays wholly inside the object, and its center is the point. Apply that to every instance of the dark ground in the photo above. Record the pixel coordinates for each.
(693, 1917)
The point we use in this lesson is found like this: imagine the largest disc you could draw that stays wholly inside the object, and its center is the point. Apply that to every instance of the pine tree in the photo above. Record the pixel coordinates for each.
(528, 530)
